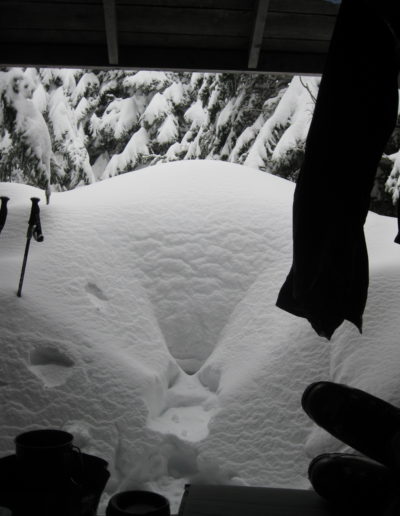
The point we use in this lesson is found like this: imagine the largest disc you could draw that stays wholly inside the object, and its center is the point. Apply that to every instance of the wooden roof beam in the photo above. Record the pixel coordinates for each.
(110, 18)
(258, 33)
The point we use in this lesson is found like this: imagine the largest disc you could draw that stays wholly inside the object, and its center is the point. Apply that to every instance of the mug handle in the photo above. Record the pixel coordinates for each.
(77, 477)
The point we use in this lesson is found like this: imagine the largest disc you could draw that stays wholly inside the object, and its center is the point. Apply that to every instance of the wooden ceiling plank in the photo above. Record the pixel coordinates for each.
(299, 26)
(132, 39)
(39, 16)
(305, 7)
(51, 37)
(137, 19)
(196, 4)
(207, 60)
(110, 18)
(185, 20)
(258, 33)
(96, 57)
(306, 46)
(146, 21)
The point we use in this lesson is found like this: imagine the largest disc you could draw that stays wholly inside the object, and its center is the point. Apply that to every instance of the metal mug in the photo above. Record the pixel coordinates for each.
(47, 455)
(132, 503)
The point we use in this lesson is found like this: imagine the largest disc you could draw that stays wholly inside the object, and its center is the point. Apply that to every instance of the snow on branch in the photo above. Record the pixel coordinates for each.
(158, 108)
(287, 126)
(128, 158)
(120, 116)
(392, 184)
(168, 131)
(146, 81)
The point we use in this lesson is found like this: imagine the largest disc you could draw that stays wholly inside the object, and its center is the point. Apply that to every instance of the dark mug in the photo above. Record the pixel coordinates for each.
(48, 455)
(133, 503)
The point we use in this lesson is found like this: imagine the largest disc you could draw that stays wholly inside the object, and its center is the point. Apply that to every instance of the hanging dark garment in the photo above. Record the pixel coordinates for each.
(355, 114)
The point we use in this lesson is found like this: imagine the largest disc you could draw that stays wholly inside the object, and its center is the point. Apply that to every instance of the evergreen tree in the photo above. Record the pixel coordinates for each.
(25, 139)
(72, 127)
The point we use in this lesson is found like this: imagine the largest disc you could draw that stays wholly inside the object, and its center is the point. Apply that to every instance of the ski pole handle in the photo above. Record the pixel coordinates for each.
(3, 211)
(35, 227)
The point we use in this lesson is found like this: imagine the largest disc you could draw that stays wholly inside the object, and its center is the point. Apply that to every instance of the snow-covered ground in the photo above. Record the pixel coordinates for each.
(147, 326)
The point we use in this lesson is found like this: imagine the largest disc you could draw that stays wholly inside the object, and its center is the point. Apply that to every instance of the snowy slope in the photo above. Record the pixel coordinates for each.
(147, 326)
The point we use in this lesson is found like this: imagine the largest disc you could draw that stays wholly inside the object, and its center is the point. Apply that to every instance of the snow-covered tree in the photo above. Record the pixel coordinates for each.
(71, 158)
(26, 144)
(279, 144)
(73, 127)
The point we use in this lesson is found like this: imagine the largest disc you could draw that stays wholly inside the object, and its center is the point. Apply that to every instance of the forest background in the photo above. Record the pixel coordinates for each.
(64, 128)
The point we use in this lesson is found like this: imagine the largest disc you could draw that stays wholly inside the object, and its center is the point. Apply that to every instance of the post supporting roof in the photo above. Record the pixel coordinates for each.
(110, 19)
(258, 33)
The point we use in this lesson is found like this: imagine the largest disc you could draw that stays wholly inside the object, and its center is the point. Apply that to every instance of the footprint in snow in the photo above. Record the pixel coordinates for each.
(50, 365)
(96, 296)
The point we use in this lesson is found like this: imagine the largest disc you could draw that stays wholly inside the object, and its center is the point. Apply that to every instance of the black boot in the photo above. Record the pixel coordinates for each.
(355, 484)
(364, 422)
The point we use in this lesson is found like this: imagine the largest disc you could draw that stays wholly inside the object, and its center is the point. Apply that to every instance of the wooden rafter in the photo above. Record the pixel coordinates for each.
(110, 18)
(258, 32)
(228, 35)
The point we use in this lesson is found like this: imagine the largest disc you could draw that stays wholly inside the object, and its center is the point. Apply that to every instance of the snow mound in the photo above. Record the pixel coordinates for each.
(147, 326)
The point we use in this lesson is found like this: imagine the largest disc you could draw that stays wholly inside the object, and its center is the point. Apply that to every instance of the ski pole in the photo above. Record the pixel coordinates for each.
(35, 230)
(3, 211)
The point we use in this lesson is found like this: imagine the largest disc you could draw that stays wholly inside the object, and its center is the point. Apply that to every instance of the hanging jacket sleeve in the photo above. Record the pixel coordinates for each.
(354, 116)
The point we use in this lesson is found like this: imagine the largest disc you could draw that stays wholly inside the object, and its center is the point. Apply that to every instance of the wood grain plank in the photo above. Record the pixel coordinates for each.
(26, 15)
(185, 21)
(300, 6)
(75, 56)
(189, 41)
(162, 20)
(157, 59)
(50, 37)
(193, 42)
(132, 39)
(60, 2)
(199, 4)
(305, 7)
(299, 26)
(308, 46)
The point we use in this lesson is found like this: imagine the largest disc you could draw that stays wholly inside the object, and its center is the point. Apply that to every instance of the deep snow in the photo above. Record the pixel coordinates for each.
(147, 326)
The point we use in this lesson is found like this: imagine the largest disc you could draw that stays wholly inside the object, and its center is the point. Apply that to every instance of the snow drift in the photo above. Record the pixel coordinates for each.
(147, 326)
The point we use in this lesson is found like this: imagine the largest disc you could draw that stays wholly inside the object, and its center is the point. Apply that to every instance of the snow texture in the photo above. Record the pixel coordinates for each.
(147, 326)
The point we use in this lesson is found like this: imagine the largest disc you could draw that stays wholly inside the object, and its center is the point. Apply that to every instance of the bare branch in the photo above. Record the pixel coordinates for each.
(307, 87)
